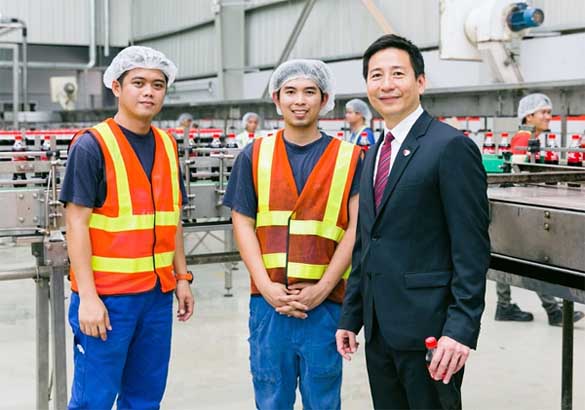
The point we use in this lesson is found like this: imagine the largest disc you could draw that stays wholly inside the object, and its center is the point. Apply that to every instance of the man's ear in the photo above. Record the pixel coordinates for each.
(275, 99)
(116, 88)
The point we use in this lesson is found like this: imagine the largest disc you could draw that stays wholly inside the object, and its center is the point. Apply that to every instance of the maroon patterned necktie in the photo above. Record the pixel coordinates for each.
(383, 169)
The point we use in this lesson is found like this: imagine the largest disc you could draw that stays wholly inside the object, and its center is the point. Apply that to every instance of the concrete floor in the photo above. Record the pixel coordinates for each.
(517, 365)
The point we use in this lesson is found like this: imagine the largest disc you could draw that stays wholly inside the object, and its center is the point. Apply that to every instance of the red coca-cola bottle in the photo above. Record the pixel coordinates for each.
(551, 157)
(489, 147)
(504, 145)
(449, 394)
(575, 159)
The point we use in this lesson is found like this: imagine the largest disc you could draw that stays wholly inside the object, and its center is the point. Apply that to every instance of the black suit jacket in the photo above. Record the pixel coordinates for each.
(421, 261)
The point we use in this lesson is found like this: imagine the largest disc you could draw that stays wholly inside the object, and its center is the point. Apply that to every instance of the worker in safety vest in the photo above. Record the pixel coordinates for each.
(534, 110)
(123, 193)
(294, 200)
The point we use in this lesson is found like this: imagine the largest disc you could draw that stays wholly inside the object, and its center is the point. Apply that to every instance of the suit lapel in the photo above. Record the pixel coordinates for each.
(405, 154)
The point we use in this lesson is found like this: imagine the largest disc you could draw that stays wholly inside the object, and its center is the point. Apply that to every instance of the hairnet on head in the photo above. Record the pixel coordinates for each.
(315, 70)
(357, 105)
(184, 117)
(139, 57)
(532, 103)
(247, 116)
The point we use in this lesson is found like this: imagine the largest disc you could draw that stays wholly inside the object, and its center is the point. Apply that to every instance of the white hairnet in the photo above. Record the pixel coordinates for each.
(139, 57)
(247, 116)
(315, 70)
(357, 105)
(184, 117)
(532, 103)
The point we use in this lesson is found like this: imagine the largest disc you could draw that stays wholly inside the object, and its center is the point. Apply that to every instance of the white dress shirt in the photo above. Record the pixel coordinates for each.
(400, 132)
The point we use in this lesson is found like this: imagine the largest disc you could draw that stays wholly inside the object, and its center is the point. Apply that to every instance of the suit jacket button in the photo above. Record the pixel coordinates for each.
(375, 237)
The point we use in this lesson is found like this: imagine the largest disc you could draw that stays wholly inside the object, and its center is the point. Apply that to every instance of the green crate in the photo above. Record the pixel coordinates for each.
(493, 164)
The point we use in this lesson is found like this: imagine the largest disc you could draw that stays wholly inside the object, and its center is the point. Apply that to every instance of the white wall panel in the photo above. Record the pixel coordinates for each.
(194, 52)
(156, 16)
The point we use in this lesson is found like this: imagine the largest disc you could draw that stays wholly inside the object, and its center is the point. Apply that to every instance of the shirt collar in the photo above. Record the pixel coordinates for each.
(401, 130)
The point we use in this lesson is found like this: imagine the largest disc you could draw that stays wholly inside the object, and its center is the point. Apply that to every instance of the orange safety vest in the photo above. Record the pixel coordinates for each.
(298, 234)
(133, 233)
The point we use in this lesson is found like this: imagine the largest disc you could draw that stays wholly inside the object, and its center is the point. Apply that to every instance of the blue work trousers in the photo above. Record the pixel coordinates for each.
(286, 351)
(132, 364)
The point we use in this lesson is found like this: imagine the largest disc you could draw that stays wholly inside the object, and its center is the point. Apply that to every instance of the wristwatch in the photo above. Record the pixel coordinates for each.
(185, 276)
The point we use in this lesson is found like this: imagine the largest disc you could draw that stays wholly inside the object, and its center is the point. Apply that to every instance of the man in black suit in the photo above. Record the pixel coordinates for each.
(422, 247)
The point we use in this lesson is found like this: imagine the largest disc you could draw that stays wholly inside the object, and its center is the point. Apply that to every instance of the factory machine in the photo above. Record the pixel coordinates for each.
(537, 229)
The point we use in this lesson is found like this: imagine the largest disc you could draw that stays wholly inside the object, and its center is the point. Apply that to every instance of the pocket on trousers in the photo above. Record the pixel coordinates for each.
(260, 314)
(324, 362)
(264, 364)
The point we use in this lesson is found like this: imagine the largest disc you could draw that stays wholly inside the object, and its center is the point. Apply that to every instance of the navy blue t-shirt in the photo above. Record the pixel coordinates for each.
(240, 194)
(85, 183)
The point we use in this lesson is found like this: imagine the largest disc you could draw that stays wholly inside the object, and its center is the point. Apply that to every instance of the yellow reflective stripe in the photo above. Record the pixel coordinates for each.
(334, 200)
(305, 270)
(274, 260)
(318, 228)
(264, 172)
(170, 150)
(310, 271)
(122, 185)
(272, 218)
(132, 222)
(131, 265)
(346, 273)
(167, 218)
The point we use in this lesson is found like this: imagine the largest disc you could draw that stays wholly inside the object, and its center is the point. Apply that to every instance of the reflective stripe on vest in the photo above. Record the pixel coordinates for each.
(295, 269)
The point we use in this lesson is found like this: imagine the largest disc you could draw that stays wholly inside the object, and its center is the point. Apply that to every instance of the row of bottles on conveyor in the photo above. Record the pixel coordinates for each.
(549, 155)
(19, 146)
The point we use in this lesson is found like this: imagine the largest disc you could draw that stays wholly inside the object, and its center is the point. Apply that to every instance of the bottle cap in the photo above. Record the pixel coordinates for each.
(250, 135)
(231, 135)
(364, 134)
(215, 135)
(431, 342)
(552, 136)
(575, 136)
(340, 133)
(504, 134)
(489, 134)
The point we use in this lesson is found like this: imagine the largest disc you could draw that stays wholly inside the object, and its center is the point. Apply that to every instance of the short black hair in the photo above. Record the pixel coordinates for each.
(394, 41)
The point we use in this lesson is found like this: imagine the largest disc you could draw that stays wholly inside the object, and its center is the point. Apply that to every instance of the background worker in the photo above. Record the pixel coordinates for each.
(534, 110)
(359, 118)
(250, 123)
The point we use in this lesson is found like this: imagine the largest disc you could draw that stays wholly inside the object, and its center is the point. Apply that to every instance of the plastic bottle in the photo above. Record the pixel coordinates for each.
(504, 145)
(488, 144)
(18, 146)
(215, 141)
(575, 159)
(449, 394)
(551, 157)
(45, 146)
(231, 141)
(363, 141)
